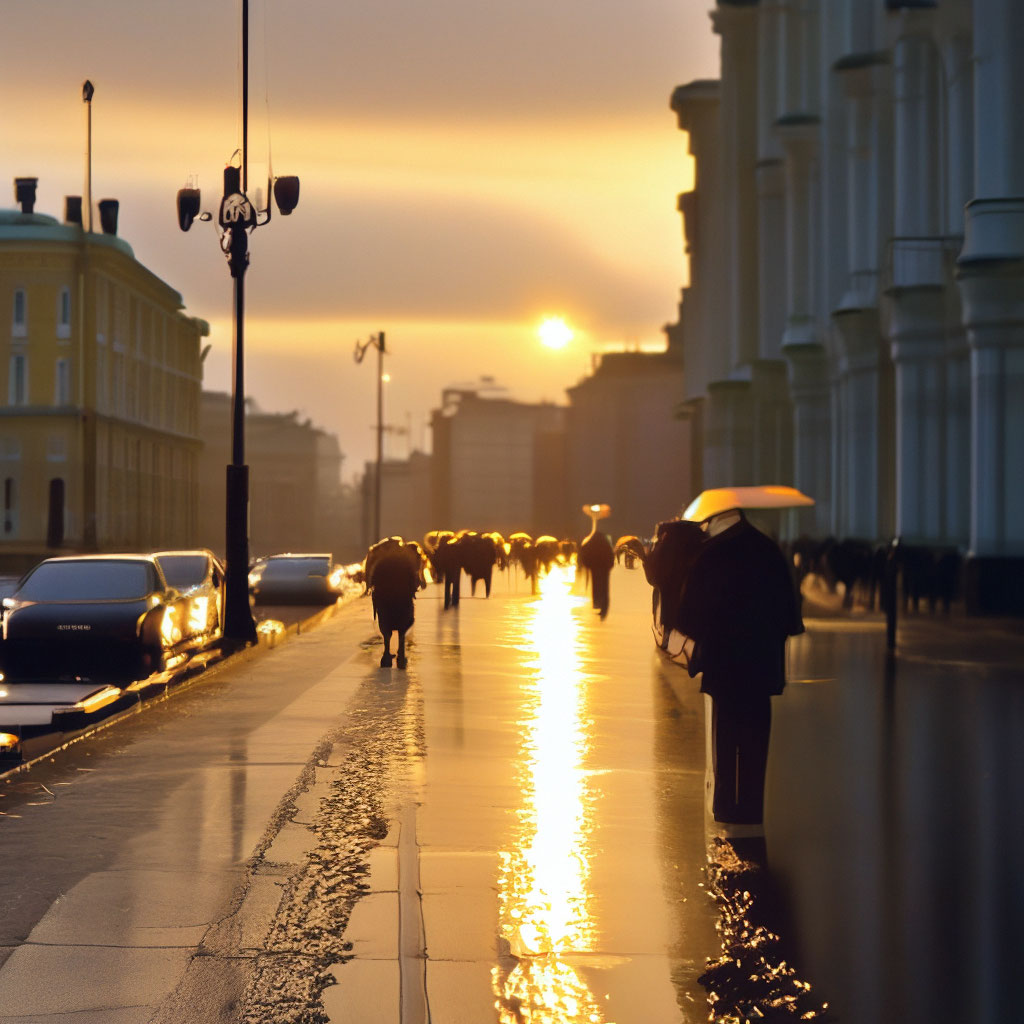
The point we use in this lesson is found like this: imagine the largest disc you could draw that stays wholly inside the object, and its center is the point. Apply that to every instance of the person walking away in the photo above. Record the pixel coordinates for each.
(739, 604)
(597, 556)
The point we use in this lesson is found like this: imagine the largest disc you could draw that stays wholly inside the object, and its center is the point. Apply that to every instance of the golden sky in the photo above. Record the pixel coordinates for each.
(467, 168)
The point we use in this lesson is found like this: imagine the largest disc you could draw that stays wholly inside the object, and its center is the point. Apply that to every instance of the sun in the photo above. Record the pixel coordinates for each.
(554, 332)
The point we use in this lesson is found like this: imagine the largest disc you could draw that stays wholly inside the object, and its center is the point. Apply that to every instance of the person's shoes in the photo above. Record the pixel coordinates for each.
(402, 661)
(385, 661)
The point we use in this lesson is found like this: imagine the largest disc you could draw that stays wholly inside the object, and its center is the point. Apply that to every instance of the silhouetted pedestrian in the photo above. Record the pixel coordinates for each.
(738, 605)
(597, 556)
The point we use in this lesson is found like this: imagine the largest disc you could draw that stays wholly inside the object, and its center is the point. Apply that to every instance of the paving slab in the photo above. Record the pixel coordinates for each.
(461, 992)
(69, 979)
(135, 908)
(367, 992)
(373, 927)
(120, 1015)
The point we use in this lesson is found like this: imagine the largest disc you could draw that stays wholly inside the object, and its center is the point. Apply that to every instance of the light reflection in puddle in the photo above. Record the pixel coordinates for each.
(543, 881)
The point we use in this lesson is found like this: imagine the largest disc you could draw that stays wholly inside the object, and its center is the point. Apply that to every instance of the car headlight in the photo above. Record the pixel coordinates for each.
(8, 742)
(169, 632)
(199, 612)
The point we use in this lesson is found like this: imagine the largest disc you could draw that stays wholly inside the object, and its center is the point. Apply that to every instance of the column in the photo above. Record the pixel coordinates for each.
(991, 277)
(918, 294)
(959, 76)
(810, 391)
(865, 485)
(809, 385)
(737, 25)
(728, 435)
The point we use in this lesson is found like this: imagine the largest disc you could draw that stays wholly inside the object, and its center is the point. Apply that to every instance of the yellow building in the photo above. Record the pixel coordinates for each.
(100, 380)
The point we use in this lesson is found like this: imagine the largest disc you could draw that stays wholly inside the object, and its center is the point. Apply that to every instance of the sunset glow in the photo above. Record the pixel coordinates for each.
(555, 333)
(445, 208)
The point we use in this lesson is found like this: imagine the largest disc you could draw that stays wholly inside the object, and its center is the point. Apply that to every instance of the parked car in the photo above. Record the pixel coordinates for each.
(112, 617)
(35, 717)
(199, 578)
(296, 579)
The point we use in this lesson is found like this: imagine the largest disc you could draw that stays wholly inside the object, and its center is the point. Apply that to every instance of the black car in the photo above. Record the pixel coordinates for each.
(112, 617)
(198, 577)
(296, 579)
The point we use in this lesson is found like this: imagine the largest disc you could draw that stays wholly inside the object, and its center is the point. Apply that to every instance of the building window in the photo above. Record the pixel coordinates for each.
(17, 390)
(56, 448)
(117, 385)
(10, 507)
(55, 523)
(64, 313)
(62, 383)
(102, 310)
(19, 314)
(101, 380)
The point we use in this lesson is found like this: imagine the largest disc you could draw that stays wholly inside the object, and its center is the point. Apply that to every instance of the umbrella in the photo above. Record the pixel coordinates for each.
(724, 499)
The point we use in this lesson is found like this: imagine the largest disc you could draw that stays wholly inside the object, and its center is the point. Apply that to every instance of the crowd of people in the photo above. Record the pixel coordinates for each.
(722, 584)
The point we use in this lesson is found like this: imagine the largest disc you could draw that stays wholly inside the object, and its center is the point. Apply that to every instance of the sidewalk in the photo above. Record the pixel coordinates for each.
(516, 822)
(891, 815)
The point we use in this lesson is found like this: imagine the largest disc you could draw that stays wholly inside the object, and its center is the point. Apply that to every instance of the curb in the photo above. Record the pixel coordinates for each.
(199, 673)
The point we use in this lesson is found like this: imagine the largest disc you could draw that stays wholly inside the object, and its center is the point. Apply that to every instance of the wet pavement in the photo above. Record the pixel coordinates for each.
(514, 830)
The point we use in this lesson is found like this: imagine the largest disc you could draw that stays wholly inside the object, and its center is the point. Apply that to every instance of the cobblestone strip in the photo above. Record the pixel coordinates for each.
(381, 737)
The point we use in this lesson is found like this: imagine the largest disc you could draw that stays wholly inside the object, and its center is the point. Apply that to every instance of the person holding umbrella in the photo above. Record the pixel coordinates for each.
(597, 556)
(738, 606)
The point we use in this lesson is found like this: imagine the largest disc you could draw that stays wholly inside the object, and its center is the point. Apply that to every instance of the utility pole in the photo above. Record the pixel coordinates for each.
(236, 218)
(377, 341)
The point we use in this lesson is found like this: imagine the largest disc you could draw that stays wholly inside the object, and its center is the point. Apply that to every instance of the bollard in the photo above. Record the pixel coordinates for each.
(890, 593)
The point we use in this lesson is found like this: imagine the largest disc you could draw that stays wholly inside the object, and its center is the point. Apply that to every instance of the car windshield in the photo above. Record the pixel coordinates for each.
(294, 568)
(183, 570)
(92, 580)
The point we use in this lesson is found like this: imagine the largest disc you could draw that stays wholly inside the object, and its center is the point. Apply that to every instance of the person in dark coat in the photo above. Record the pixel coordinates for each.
(395, 577)
(738, 605)
(676, 547)
(597, 556)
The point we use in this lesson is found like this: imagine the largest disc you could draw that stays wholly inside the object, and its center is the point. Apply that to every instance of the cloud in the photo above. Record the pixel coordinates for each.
(375, 58)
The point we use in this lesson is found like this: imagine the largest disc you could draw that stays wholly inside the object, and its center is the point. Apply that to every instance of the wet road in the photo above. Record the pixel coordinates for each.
(517, 816)
(514, 830)
(558, 820)
(893, 818)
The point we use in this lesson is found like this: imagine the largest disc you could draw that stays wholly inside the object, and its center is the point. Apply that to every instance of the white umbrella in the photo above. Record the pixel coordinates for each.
(723, 499)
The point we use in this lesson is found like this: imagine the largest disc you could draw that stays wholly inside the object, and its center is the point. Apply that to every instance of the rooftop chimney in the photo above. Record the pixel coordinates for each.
(108, 215)
(73, 210)
(25, 193)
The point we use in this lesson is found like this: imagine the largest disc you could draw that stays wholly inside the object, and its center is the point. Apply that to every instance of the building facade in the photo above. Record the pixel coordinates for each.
(99, 393)
(624, 445)
(405, 498)
(295, 491)
(854, 322)
(497, 464)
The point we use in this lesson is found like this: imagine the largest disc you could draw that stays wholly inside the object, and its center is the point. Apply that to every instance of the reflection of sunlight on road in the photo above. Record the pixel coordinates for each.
(543, 894)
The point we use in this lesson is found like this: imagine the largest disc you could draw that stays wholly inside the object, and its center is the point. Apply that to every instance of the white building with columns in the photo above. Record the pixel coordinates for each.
(854, 319)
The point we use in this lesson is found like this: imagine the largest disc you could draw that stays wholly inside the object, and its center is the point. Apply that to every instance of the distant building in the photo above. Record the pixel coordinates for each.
(99, 405)
(855, 318)
(295, 492)
(624, 446)
(498, 464)
(405, 498)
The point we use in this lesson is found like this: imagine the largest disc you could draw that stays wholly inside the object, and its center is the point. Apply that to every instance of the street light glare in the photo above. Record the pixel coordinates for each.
(554, 332)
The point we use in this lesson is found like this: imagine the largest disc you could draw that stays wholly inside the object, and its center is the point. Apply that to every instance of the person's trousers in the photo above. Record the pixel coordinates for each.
(600, 582)
(740, 729)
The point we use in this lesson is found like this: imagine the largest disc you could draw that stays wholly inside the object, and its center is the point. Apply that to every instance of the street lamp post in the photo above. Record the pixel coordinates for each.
(237, 217)
(377, 341)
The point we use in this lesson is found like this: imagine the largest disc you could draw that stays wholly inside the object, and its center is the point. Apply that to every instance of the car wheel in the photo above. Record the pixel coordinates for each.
(154, 660)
